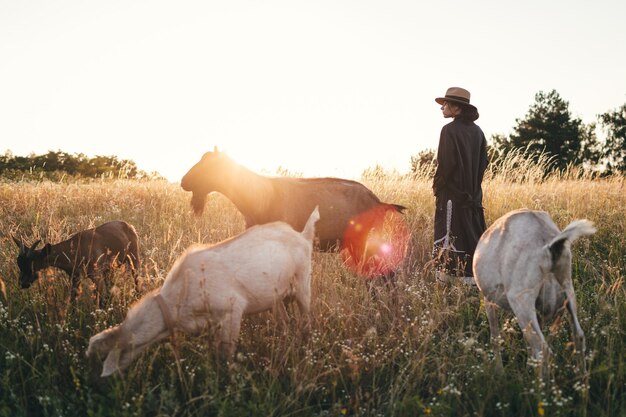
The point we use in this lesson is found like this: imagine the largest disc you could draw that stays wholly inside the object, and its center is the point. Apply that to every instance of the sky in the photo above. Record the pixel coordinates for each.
(317, 88)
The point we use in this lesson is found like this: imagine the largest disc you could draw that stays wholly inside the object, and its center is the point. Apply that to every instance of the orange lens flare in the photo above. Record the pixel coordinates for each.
(375, 242)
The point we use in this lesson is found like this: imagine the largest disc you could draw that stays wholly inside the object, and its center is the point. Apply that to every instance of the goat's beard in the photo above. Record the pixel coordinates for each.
(197, 202)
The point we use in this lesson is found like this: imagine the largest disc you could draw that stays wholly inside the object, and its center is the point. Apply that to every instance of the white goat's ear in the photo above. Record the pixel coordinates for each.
(104, 341)
(111, 363)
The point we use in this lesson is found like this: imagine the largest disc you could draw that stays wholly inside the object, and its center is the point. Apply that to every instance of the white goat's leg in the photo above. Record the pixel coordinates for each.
(279, 310)
(577, 332)
(304, 305)
(229, 327)
(303, 298)
(494, 327)
(524, 308)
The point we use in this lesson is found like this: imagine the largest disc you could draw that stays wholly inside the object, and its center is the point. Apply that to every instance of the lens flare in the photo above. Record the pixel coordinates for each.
(375, 242)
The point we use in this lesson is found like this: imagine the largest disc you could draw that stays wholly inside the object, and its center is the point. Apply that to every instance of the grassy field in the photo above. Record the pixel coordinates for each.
(426, 354)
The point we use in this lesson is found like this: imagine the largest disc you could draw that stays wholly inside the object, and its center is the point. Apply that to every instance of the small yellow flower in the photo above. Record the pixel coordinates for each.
(540, 409)
(427, 410)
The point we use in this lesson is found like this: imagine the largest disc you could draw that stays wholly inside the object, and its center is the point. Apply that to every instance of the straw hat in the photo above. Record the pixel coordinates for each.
(456, 95)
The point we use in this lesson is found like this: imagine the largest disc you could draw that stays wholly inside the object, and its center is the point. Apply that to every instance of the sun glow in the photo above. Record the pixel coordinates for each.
(295, 159)
(375, 242)
(284, 162)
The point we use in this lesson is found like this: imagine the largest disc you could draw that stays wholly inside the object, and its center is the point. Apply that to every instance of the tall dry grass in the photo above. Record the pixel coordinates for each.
(425, 351)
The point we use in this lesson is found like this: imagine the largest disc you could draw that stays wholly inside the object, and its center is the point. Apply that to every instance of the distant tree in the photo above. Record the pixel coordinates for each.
(614, 148)
(52, 161)
(549, 129)
(590, 149)
(23, 163)
(56, 164)
(72, 163)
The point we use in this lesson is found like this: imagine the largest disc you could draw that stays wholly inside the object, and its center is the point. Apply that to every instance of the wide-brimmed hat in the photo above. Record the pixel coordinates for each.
(456, 95)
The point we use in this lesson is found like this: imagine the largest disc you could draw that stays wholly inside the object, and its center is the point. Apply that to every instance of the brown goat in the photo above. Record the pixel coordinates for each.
(93, 251)
(263, 199)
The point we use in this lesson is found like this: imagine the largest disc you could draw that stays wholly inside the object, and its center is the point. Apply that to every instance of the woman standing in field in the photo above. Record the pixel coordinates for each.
(461, 163)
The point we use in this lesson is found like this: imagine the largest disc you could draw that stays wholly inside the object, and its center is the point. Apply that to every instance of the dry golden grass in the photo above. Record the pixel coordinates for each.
(426, 353)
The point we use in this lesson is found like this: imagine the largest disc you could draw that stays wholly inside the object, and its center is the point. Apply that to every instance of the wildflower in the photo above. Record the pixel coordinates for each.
(469, 342)
(540, 409)
(43, 400)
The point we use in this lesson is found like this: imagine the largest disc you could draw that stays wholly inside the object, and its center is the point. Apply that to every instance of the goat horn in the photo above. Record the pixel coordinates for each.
(32, 248)
(19, 244)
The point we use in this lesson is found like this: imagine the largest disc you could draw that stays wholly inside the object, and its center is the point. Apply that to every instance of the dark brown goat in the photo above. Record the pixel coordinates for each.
(263, 199)
(93, 251)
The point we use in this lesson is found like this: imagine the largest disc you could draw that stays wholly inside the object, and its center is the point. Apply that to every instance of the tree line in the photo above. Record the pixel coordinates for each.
(548, 130)
(57, 164)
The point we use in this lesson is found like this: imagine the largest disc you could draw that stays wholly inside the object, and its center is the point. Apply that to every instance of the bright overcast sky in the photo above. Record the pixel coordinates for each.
(319, 87)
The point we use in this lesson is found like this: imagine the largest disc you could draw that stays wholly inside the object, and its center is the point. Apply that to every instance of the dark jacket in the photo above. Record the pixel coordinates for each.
(461, 163)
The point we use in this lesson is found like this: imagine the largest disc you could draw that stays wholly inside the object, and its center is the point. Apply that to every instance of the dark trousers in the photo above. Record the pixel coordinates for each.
(458, 227)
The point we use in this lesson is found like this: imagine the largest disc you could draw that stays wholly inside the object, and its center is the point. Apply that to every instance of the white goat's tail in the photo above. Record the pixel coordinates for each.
(309, 228)
(572, 232)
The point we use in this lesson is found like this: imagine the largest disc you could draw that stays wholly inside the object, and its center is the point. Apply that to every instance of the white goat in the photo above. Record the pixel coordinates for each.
(523, 263)
(249, 273)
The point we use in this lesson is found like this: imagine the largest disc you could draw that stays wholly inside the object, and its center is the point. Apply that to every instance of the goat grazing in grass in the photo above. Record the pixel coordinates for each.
(523, 263)
(250, 273)
(92, 252)
(342, 203)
